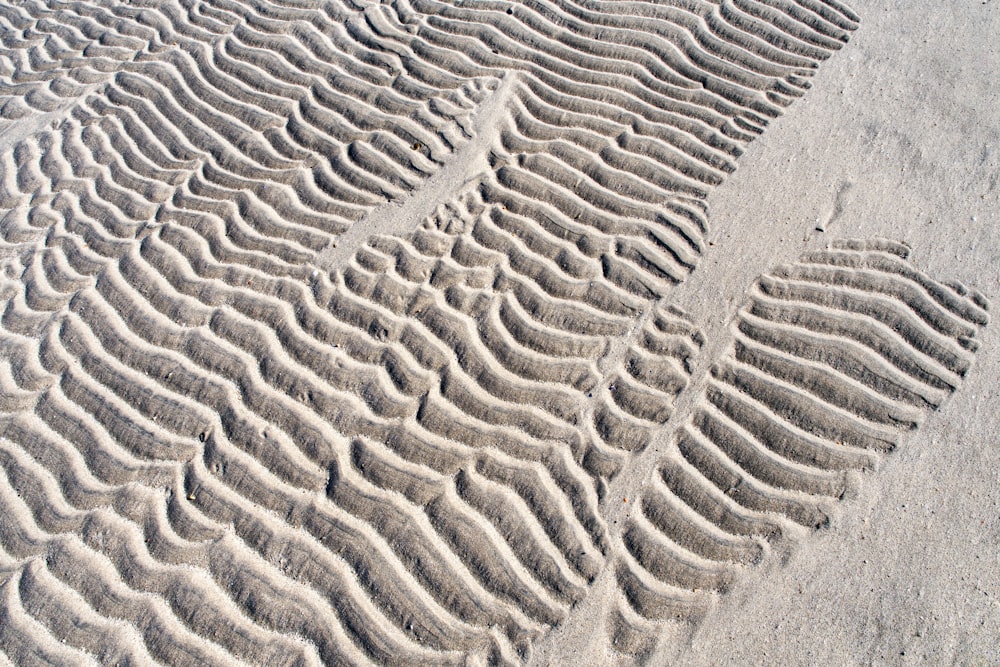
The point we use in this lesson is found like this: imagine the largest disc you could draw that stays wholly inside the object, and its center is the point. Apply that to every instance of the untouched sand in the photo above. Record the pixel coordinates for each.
(444, 333)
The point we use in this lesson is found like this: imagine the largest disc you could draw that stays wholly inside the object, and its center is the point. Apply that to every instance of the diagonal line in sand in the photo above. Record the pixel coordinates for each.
(400, 217)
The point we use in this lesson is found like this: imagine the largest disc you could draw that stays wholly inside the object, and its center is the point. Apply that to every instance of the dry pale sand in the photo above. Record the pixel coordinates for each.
(900, 138)
(908, 117)
(447, 333)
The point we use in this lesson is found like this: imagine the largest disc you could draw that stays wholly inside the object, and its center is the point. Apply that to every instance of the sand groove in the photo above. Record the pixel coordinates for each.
(832, 360)
(223, 441)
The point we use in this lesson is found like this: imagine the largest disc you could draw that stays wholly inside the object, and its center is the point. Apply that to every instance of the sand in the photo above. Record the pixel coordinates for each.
(908, 573)
(435, 333)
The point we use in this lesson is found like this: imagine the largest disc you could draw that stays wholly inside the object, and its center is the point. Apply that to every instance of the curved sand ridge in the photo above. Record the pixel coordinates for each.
(234, 430)
(832, 360)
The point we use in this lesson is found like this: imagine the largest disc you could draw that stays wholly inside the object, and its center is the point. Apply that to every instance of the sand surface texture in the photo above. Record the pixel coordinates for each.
(358, 333)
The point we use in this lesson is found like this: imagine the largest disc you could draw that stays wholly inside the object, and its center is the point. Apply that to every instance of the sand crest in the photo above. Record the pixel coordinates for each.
(360, 333)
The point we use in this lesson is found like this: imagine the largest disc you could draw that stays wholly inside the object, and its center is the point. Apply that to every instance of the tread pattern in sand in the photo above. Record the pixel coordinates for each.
(215, 450)
(833, 360)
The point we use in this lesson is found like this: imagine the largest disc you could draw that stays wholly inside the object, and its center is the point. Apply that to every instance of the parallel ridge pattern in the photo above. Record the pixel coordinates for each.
(286, 124)
(214, 452)
(833, 360)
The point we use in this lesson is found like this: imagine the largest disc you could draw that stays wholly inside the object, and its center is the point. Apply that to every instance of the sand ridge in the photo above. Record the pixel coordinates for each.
(224, 442)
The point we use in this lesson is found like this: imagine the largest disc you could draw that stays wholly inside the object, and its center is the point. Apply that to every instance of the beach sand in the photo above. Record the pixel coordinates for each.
(498, 333)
